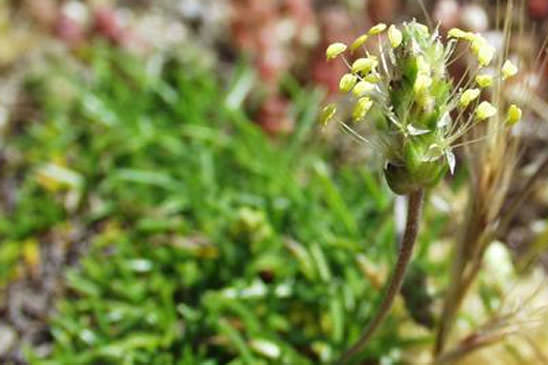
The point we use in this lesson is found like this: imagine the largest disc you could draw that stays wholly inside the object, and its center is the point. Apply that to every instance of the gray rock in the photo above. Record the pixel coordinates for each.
(8, 337)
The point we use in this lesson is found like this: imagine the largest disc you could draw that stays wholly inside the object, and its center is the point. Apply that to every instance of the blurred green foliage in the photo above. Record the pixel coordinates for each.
(212, 243)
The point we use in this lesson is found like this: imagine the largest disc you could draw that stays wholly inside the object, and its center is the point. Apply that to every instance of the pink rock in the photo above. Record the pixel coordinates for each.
(474, 18)
(108, 24)
(301, 11)
(335, 27)
(69, 31)
(248, 18)
(538, 9)
(274, 116)
(383, 10)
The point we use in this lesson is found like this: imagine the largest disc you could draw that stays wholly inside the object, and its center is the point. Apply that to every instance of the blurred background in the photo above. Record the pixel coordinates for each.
(166, 196)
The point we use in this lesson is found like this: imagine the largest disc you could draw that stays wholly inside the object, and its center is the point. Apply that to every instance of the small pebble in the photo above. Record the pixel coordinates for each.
(69, 31)
(7, 339)
(474, 18)
(76, 11)
(43, 11)
(447, 13)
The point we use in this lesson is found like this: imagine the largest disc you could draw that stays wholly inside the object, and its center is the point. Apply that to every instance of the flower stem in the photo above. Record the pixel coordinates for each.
(406, 250)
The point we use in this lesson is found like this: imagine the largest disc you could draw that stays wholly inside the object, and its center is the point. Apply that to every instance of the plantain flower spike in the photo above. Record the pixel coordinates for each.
(414, 112)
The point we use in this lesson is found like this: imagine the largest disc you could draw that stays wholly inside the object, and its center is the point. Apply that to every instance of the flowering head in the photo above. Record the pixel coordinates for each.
(413, 111)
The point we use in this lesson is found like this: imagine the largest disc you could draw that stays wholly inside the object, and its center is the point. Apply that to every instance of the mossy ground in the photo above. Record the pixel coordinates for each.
(207, 239)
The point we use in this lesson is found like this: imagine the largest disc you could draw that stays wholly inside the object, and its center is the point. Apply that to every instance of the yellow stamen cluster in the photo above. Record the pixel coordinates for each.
(484, 53)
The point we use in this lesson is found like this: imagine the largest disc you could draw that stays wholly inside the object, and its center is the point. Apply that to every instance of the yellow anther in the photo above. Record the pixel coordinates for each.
(508, 70)
(358, 42)
(362, 107)
(483, 51)
(334, 50)
(327, 113)
(365, 65)
(468, 96)
(484, 80)
(373, 77)
(514, 114)
(379, 28)
(347, 82)
(363, 87)
(485, 110)
(459, 34)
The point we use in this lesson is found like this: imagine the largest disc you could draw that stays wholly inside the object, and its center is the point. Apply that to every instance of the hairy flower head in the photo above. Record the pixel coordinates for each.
(414, 112)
